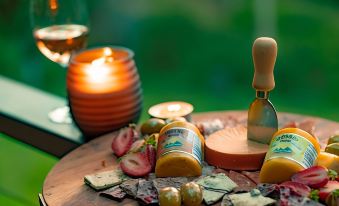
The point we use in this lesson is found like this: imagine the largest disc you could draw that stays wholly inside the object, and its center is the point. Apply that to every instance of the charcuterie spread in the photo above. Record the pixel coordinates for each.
(137, 177)
(172, 161)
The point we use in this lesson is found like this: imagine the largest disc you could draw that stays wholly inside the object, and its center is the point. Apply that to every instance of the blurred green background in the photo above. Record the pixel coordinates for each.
(193, 50)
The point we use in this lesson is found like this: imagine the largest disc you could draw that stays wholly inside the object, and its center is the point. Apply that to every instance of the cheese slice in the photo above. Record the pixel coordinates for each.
(218, 182)
(211, 197)
(105, 179)
(246, 199)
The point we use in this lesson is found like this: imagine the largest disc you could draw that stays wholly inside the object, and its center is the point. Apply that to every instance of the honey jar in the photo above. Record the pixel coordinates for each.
(180, 150)
(291, 150)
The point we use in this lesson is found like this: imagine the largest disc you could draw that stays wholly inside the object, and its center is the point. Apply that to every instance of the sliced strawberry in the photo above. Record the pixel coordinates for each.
(328, 189)
(135, 164)
(315, 177)
(136, 134)
(137, 145)
(113, 139)
(151, 155)
(298, 188)
(123, 142)
(333, 198)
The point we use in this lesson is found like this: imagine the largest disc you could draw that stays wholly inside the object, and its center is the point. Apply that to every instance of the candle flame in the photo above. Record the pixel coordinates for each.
(98, 72)
(108, 51)
(174, 107)
(99, 61)
(106, 58)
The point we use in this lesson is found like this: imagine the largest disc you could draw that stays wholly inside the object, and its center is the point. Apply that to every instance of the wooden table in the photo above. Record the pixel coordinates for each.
(64, 184)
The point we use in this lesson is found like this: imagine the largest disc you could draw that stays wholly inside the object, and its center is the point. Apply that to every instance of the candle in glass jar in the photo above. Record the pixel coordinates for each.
(104, 90)
(102, 70)
(168, 110)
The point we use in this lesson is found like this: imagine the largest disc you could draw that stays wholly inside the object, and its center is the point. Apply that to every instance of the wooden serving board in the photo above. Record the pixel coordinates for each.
(64, 185)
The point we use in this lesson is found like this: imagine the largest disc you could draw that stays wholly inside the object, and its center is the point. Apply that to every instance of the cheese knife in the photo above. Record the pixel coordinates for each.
(262, 120)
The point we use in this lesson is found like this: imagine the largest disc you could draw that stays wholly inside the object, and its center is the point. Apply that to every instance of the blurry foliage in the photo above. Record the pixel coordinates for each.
(198, 51)
(22, 172)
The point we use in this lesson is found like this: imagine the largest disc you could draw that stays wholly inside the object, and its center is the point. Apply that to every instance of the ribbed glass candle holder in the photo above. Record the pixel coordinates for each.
(104, 90)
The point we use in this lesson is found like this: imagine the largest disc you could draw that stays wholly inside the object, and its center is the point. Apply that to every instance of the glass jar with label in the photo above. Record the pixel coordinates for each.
(291, 150)
(180, 150)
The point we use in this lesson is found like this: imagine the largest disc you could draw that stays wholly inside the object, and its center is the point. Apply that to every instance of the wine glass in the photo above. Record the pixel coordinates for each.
(60, 28)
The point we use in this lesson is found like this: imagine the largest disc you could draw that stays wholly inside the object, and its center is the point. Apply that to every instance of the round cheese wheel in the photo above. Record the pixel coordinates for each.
(230, 149)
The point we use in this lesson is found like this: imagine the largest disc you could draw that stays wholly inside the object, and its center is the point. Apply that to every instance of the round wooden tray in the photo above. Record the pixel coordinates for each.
(64, 185)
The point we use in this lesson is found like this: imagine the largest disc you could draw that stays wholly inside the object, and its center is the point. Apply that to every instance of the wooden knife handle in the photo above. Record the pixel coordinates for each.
(264, 53)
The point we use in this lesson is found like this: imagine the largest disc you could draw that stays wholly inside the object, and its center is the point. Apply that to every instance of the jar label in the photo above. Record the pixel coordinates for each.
(293, 147)
(178, 139)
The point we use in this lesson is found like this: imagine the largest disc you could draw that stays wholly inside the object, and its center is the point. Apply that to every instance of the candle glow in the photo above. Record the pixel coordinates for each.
(102, 70)
(98, 72)
(104, 89)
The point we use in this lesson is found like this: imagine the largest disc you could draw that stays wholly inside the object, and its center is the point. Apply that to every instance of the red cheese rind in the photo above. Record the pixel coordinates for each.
(230, 149)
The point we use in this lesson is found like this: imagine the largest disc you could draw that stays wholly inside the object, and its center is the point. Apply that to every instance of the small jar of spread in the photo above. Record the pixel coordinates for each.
(291, 150)
(180, 150)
